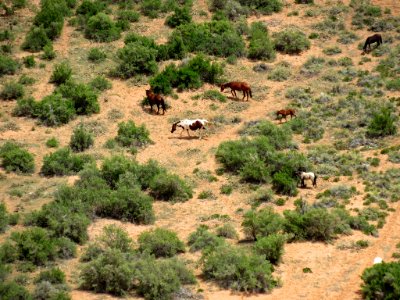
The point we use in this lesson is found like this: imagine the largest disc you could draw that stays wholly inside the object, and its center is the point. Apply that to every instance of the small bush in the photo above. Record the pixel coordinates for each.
(279, 73)
(101, 28)
(3, 219)
(262, 223)
(52, 110)
(291, 41)
(35, 40)
(96, 55)
(131, 135)
(12, 90)
(382, 124)
(63, 162)
(381, 279)
(271, 247)
(261, 46)
(81, 139)
(15, 159)
(170, 188)
(83, 97)
(202, 239)
(180, 16)
(100, 83)
(160, 242)
(128, 15)
(8, 66)
(151, 8)
(48, 52)
(65, 247)
(46, 290)
(53, 275)
(12, 290)
(29, 61)
(234, 269)
(61, 73)
(114, 167)
(52, 142)
(227, 231)
(332, 50)
(284, 184)
(26, 80)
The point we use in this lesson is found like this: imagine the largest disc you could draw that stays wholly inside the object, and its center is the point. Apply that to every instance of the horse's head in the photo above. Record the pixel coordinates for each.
(148, 92)
(174, 126)
(222, 87)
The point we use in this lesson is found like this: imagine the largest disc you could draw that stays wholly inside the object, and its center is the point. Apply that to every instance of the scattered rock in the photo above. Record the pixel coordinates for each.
(261, 68)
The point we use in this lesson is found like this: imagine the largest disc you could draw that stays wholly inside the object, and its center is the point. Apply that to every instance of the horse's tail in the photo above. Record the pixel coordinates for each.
(163, 104)
(380, 39)
(251, 96)
(315, 180)
(365, 45)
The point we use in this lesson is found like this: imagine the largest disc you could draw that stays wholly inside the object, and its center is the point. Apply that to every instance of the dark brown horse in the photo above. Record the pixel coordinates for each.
(286, 112)
(238, 86)
(155, 99)
(376, 38)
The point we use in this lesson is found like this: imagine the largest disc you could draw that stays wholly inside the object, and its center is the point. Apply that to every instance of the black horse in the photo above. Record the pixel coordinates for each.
(376, 38)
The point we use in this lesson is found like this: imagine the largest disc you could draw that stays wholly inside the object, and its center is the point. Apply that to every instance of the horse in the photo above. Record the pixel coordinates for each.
(307, 175)
(376, 38)
(187, 124)
(238, 86)
(155, 99)
(286, 112)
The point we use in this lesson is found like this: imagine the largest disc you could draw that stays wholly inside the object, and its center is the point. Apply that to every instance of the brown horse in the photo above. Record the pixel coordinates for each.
(155, 99)
(376, 38)
(238, 86)
(286, 112)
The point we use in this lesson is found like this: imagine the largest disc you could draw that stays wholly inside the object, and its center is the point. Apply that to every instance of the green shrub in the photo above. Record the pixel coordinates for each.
(46, 290)
(136, 59)
(34, 245)
(66, 248)
(180, 16)
(234, 269)
(131, 135)
(381, 279)
(52, 142)
(332, 50)
(12, 290)
(29, 61)
(279, 73)
(81, 139)
(114, 167)
(83, 97)
(12, 90)
(128, 15)
(160, 242)
(261, 46)
(96, 55)
(63, 162)
(26, 80)
(61, 73)
(393, 85)
(202, 239)
(151, 8)
(53, 275)
(101, 28)
(114, 237)
(52, 110)
(15, 159)
(109, 273)
(271, 247)
(90, 8)
(48, 52)
(8, 66)
(170, 188)
(3, 218)
(262, 223)
(284, 184)
(382, 123)
(36, 40)
(100, 83)
(291, 41)
(227, 231)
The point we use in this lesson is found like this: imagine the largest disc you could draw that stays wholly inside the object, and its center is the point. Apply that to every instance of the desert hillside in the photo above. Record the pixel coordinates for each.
(99, 200)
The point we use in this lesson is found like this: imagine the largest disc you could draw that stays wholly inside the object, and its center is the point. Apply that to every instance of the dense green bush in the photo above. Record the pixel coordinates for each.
(101, 28)
(16, 159)
(90, 8)
(136, 59)
(284, 183)
(262, 223)
(29, 61)
(271, 247)
(81, 139)
(170, 188)
(3, 218)
(46, 290)
(151, 8)
(131, 135)
(233, 268)
(63, 162)
(52, 110)
(100, 83)
(35, 40)
(381, 281)
(128, 15)
(291, 41)
(61, 73)
(261, 46)
(382, 123)
(48, 52)
(53, 275)
(8, 66)
(227, 231)
(11, 290)
(115, 166)
(160, 242)
(12, 90)
(180, 16)
(96, 55)
(52, 142)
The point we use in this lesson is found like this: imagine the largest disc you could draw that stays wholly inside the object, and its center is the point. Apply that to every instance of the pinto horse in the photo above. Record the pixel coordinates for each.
(187, 124)
(155, 99)
(307, 175)
(376, 38)
(238, 86)
(285, 112)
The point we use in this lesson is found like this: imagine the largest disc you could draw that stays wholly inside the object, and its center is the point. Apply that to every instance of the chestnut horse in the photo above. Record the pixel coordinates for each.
(285, 112)
(238, 86)
(155, 99)
(376, 38)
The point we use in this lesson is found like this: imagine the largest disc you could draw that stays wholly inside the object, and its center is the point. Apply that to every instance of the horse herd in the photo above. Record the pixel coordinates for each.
(200, 124)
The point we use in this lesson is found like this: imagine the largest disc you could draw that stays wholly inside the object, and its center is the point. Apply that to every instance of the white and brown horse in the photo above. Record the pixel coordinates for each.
(186, 124)
(307, 175)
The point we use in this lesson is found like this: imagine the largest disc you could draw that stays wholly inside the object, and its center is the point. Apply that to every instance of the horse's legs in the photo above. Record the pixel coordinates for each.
(183, 129)
(158, 109)
(188, 132)
(151, 107)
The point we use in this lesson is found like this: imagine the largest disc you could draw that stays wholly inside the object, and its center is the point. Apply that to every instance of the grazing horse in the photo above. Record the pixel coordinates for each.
(307, 175)
(285, 112)
(238, 86)
(155, 99)
(376, 38)
(190, 124)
